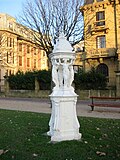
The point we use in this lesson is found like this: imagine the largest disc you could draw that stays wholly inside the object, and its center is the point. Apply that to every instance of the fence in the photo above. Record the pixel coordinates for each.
(37, 93)
(82, 94)
(2, 86)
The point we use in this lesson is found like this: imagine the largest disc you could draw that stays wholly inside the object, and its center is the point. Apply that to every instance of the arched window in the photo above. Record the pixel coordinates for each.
(103, 68)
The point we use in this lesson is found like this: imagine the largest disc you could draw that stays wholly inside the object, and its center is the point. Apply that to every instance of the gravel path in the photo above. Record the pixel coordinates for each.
(44, 106)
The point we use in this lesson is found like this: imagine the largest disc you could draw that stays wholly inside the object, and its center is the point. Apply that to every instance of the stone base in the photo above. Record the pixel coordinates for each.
(63, 123)
(58, 137)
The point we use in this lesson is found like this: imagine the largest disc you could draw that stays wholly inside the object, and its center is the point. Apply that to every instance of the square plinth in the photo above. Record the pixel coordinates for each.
(63, 123)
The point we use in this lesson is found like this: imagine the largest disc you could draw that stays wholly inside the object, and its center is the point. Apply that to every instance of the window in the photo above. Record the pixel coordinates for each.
(89, 1)
(78, 49)
(7, 57)
(10, 72)
(44, 54)
(34, 63)
(0, 75)
(34, 51)
(10, 26)
(101, 42)
(28, 49)
(0, 40)
(13, 57)
(99, 0)
(89, 28)
(20, 60)
(13, 43)
(28, 62)
(103, 69)
(100, 18)
(10, 42)
(20, 47)
(7, 42)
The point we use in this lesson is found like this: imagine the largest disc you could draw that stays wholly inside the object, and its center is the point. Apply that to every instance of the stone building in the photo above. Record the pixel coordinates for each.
(79, 61)
(18, 50)
(102, 38)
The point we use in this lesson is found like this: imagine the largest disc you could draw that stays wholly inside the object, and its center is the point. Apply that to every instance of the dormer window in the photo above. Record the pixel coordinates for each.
(11, 25)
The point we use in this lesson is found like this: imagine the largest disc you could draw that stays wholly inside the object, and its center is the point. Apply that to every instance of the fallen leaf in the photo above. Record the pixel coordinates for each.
(85, 142)
(101, 153)
(97, 129)
(89, 158)
(35, 155)
(1, 151)
(105, 135)
(13, 156)
(6, 151)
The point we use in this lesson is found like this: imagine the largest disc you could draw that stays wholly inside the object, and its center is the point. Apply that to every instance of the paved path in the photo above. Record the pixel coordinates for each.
(43, 106)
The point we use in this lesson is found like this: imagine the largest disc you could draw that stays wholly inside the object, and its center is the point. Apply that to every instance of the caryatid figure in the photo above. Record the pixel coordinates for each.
(71, 75)
(55, 73)
(68, 73)
(60, 73)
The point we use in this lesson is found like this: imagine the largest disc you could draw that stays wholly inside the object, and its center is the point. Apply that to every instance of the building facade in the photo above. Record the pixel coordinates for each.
(18, 50)
(102, 37)
(79, 61)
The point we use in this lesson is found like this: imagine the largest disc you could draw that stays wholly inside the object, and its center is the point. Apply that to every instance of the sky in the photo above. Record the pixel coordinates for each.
(11, 7)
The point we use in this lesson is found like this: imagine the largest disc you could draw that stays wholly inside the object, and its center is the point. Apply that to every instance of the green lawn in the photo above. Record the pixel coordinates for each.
(22, 138)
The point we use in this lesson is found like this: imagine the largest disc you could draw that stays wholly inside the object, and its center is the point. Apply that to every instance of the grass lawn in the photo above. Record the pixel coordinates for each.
(22, 138)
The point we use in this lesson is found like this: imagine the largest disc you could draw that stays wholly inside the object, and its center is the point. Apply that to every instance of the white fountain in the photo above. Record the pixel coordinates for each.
(63, 123)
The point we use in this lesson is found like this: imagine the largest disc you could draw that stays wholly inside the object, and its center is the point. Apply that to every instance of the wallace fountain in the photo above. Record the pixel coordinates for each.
(63, 123)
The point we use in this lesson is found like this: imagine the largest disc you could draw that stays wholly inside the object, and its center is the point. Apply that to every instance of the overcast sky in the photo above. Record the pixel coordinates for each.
(11, 7)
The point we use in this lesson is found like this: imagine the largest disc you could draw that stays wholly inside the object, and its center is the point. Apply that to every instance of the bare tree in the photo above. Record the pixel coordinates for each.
(50, 17)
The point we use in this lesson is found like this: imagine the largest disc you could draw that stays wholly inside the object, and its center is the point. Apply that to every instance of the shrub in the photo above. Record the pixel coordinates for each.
(20, 80)
(26, 81)
(83, 80)
(90, 80)
(44, 78)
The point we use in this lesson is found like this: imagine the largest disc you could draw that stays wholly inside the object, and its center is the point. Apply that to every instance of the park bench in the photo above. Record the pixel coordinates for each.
(104, 102)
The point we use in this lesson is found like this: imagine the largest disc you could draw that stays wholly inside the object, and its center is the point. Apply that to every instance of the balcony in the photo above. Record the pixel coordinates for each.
(102, 52)
(99, 26)
(100, 23)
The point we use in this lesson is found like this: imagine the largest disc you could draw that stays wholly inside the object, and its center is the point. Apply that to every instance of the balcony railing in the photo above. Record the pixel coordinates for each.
(103, 52)
(99, 23)
(99, 26)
